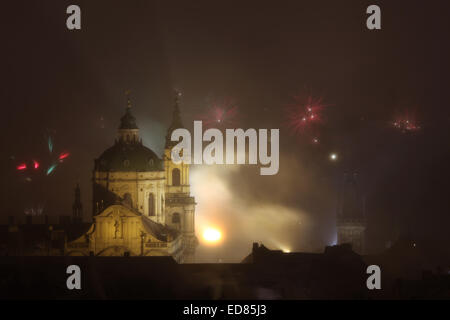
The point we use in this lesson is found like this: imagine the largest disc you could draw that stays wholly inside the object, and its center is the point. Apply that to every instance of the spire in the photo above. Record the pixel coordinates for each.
(176, 116)
(127, 94)
(77, 205)
(176, 120)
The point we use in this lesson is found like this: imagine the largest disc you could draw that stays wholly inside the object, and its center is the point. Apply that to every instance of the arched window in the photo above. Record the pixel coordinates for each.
(176, 218)
(151, 204)
(176, 177)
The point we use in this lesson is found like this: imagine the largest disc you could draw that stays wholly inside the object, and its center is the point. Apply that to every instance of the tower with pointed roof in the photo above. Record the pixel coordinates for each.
(176, 121)
(180, 205)
(351, 222)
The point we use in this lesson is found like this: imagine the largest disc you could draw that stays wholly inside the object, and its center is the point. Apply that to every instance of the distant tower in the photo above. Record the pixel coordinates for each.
(77, 208)
(351, 224)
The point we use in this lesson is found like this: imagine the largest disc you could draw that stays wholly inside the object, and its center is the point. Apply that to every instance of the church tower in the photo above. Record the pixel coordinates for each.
(180, 205)
(351, 224)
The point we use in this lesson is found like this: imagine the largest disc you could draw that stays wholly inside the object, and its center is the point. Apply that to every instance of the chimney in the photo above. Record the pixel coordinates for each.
(255, 247)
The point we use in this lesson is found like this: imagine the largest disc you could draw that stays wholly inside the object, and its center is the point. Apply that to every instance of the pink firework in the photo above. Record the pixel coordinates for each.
(220, 115)
(406, 123)
(304, 114)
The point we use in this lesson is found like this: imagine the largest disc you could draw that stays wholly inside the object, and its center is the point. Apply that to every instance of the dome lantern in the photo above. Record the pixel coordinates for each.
(128, 130)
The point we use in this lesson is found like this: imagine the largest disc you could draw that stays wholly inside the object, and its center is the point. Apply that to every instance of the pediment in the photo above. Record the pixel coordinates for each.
(117, 211)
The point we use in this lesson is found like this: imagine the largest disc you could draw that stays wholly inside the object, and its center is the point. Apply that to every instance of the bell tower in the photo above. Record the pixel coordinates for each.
(351, 222)
(177, 174)
(180, 205)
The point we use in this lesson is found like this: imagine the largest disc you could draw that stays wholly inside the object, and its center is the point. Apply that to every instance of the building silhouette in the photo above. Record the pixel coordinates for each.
(351, 222)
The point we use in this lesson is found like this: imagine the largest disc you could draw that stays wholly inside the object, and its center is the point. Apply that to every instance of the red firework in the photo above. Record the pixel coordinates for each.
(220, 115)
(406, 123)
(304, 115)
(26, 167)
(63, 156)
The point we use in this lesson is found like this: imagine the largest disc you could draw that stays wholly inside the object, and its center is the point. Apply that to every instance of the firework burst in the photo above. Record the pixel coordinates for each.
(220, 114)
(406, 123)
(304, 116)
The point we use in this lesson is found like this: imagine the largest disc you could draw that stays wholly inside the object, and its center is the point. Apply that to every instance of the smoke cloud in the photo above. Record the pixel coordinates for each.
(247, 208)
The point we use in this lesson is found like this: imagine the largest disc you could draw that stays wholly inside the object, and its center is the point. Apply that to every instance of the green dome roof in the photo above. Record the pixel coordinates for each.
(128, 157)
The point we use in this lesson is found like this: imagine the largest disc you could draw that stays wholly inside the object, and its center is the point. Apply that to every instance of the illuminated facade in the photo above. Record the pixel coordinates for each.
(351, 225)
(141, 204)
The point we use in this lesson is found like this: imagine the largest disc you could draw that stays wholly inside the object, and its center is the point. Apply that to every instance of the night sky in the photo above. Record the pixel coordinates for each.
(258, 54)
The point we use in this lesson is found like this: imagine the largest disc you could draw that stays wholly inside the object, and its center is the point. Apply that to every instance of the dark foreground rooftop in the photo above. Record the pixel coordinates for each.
(338, 273)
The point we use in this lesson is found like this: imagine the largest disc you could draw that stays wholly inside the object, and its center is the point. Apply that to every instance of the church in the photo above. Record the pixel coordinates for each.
(141, 203)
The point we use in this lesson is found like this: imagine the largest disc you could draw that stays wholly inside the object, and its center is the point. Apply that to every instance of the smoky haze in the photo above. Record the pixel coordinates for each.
(248, 208)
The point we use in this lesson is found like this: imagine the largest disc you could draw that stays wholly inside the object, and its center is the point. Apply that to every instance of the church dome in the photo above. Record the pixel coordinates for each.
(128, 157)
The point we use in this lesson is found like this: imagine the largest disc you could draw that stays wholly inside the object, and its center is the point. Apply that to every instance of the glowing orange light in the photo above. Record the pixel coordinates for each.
(212, 235)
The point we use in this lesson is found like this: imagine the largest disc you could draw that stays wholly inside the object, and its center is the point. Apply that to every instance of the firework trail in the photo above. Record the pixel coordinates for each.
(31, 167)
